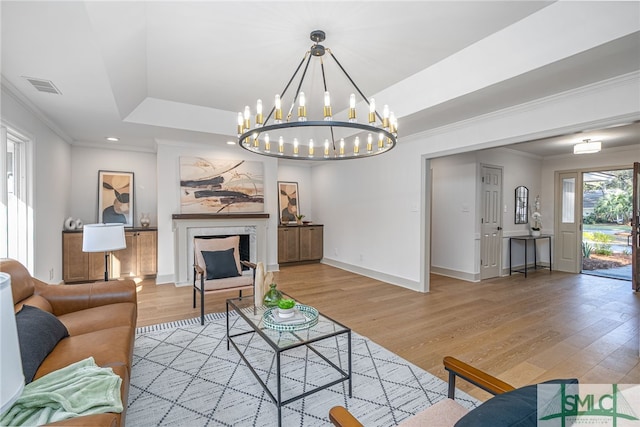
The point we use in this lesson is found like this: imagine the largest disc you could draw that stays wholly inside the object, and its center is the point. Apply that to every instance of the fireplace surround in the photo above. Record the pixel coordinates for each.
(187, 227)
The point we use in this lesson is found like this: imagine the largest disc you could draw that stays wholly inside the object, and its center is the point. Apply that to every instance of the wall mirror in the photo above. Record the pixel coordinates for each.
(522, 205)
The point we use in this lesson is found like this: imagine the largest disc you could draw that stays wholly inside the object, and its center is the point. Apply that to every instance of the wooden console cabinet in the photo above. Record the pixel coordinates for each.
(302, 243)
(139, 259)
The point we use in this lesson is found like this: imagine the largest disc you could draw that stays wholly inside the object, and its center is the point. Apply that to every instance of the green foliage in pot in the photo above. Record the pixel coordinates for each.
(286, 304)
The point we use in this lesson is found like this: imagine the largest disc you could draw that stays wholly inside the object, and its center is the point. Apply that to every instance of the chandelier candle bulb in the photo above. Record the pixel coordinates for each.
(256, 143)
(372, 111)
(385, 117)
(327, 106)
(240, 124)
(311, 148)
(352, 108)
(267, 144)
(295, 146)
(326, 148)
(247, 117)
(342, 146)
(277, 118)
(259, 117)
(369, 143)
(356, 146)
(392, 123)
(281, 145)
(302, 108)
(380, 141)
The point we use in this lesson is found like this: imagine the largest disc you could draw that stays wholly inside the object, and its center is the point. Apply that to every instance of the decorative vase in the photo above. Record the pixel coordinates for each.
(258, 295)
(145, 220)
(535, 233)
(299, 221)
(272, 296)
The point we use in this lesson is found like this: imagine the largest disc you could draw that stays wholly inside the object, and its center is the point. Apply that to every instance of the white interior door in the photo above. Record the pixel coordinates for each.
(568, 236)
(491, 222)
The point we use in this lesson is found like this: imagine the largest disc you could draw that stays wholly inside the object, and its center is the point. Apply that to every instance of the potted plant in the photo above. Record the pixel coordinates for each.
(286, 307)
(535, 228)
(299, 219)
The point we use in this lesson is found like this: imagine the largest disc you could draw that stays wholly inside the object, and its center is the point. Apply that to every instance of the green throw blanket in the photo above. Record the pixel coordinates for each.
(82, 388)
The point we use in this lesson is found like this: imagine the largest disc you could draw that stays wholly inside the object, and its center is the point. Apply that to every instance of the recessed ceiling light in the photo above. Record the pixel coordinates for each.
(113, 139)
(231, 143)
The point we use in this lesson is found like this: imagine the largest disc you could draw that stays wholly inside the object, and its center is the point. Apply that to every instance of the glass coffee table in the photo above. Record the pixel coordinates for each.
(283, 354)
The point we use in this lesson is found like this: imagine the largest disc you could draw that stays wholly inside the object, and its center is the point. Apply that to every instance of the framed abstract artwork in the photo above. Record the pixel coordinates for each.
(220, 186)
(288, 202)
(115, 197)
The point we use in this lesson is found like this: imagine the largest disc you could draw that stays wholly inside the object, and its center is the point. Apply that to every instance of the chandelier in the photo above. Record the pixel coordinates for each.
(318, 135)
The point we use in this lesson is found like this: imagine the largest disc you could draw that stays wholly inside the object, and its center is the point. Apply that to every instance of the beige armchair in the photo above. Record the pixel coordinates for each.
(217, 268)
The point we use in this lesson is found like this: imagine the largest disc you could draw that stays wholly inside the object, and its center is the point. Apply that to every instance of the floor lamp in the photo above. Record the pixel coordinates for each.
(103, 238)
(10, 361)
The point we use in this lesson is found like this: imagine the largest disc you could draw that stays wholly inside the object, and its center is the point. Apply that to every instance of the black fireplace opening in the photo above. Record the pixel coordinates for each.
(245, 252)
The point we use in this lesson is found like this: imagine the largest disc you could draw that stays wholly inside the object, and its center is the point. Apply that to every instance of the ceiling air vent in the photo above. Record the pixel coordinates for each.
(41, 85)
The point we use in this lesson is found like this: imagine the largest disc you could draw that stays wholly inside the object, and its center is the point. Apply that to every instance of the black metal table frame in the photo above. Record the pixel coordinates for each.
(278, 398)
(526, 240)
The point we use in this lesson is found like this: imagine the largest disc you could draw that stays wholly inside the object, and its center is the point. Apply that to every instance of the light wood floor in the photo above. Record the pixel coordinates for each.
(549, 325)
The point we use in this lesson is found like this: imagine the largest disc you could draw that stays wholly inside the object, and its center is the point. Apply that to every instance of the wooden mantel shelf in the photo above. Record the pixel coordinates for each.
(220, 216)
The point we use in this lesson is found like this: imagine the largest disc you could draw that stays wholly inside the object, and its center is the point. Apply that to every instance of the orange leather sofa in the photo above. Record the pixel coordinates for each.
(101, 320)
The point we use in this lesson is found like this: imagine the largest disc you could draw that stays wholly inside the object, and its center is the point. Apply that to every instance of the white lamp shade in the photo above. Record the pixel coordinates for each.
(10, 360)
(103, 237)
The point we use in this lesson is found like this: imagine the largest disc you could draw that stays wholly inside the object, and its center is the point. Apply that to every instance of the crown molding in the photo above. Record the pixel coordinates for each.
(602, 85)
(13, 91)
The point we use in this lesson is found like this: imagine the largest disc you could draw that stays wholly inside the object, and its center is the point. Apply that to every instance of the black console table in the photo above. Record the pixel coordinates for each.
(526, 240)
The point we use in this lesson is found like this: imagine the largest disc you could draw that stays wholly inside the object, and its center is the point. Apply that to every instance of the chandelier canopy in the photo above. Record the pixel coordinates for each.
(318, 135)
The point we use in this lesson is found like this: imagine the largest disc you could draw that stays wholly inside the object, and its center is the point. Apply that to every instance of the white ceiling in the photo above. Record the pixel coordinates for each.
(144, 71)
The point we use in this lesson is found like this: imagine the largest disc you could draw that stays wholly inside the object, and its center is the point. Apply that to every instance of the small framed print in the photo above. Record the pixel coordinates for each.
(288, 202)
(115, 197)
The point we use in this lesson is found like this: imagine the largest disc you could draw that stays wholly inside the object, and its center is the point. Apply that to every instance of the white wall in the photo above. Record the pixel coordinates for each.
(168, 181)
(453, 214)
(370, 209)
(87, 162)
(51, 170)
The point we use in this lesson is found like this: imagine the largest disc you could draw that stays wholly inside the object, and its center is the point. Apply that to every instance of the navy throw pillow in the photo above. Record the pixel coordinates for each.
(38, 333)
(220, 264)
(516, 408)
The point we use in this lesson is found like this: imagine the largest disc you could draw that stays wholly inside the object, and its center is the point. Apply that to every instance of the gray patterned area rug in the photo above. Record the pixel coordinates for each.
(183, 375)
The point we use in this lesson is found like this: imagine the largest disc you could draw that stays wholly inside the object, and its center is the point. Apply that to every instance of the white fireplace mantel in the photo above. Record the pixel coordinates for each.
(186, 227)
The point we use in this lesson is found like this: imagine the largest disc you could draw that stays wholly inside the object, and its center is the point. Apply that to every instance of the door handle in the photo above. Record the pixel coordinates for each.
(499, 228)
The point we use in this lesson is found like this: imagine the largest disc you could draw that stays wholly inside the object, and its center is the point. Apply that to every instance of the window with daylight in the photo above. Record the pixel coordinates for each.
(14, 197)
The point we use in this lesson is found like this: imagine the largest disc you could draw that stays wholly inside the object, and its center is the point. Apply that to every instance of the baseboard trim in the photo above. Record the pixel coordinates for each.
(163, 279)
(468, 277)
(383, 277)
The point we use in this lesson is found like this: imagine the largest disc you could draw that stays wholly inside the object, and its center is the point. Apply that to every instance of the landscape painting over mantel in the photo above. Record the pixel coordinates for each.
(220, 186)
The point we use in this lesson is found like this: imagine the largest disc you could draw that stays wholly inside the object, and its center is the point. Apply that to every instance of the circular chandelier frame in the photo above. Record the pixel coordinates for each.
(256, 139)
